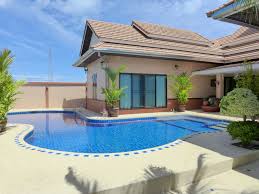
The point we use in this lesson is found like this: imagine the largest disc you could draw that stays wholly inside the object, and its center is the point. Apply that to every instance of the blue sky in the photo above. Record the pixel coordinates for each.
(31, 27)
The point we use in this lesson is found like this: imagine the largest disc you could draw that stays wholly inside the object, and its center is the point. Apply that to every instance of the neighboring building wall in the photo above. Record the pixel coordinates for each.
(201, 84)
(51, 95)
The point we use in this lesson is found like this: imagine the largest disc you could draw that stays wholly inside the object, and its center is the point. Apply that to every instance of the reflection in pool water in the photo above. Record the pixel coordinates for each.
(67, 131)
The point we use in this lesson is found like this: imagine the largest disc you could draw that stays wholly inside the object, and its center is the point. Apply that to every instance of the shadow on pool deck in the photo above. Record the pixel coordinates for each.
(251, 169)
(84, 187)
(160, 180)
(8, 128)
(220, 143)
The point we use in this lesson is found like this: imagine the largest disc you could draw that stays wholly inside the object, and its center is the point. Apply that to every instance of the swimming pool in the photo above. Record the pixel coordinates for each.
(68, 131)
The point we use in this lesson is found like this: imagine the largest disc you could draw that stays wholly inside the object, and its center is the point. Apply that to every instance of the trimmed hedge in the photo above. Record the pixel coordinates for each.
(246, 132)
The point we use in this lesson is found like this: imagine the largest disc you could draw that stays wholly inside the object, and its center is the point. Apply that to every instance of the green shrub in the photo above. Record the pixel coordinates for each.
(113, 93)
(9, 87)
(240, 102)
(249, 79)
(181, 86)
(246, 132)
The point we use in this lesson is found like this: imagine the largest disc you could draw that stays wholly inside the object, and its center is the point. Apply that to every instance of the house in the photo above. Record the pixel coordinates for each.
(152, 52)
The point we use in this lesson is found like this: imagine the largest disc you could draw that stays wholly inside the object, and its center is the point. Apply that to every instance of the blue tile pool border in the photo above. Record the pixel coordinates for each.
(19, 139)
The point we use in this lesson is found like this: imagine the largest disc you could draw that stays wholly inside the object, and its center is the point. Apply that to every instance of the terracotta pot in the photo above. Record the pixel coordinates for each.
(113, 111)
(182, 107)
(205, 103)
(3, 124)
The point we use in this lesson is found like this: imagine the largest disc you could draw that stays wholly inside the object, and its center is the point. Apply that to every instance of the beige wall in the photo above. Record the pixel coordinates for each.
(96, 67)
(201, 84)
(31, 97)
(58, 95)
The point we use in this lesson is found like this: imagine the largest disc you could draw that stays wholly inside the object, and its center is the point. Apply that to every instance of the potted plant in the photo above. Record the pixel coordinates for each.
(8, 88)
(113, 93)
(181, 86)
(205, 102)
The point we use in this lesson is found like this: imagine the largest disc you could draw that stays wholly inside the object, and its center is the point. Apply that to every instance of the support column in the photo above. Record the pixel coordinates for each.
(219, 85)
(47, 96)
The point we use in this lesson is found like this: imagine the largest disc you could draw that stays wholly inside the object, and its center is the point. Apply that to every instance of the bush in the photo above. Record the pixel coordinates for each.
(181, 86)
(113, 93)
(246, 132)
(9, 87)
(248, 79)
(240, 102)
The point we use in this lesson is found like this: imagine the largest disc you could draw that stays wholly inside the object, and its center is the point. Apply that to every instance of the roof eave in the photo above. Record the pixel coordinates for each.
(224, 70)
(83, 59)
(153, 55)
(225, 13)
(226, 10)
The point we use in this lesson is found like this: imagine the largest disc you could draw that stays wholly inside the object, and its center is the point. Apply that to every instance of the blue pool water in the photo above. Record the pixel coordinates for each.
(67, 131)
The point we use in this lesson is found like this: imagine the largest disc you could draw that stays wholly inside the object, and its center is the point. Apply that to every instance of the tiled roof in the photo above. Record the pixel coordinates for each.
(170, 34)
(241, 45)
(160, 40)
(242, 32)
(149, 51)
(123, 35)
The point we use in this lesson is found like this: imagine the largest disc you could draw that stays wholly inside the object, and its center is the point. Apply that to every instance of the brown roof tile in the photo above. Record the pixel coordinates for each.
(162, 52)
(168, 34)
(156, 39)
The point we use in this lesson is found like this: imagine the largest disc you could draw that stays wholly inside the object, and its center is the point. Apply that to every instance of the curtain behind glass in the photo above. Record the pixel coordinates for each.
(125, 82)
(150, 91)
(137, 91)
(161, 91)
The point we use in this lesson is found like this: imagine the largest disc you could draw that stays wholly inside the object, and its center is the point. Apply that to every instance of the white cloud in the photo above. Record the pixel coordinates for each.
(25, 43)
(77, 7)
(4, 3)
(192, 6)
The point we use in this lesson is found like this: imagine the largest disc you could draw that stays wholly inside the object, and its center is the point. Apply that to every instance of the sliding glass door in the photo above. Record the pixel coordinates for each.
(143, 91)
(150, 91)
(125, 82)
(161, 89)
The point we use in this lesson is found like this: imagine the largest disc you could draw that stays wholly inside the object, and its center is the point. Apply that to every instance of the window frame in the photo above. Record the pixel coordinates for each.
(144, 74)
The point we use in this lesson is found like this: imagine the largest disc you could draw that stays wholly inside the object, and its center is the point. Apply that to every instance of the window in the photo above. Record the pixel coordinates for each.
(94, 81)
(229, 84)
(143, 91)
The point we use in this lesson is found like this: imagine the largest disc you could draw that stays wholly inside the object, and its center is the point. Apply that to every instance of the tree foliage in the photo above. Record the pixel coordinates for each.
(246, 132)
(181, 86)
(249, 79)
(8, 86)
(240, 102)
(113, 93)
(252, 13)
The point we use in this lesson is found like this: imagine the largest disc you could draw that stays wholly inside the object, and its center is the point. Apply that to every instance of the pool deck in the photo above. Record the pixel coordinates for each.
(207, 157)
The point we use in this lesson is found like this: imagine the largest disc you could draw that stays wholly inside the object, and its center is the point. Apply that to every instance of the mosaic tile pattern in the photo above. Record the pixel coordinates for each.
(190, 126)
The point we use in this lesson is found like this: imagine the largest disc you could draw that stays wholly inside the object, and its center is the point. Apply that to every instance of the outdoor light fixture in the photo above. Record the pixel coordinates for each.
(176, 66)
(86, 70)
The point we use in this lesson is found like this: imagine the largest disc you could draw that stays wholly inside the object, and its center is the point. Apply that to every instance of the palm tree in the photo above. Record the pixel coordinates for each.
(8, 87)
(252, 13)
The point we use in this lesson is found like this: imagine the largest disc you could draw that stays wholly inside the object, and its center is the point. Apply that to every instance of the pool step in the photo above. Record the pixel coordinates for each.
(218, 127)
(222, 125)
